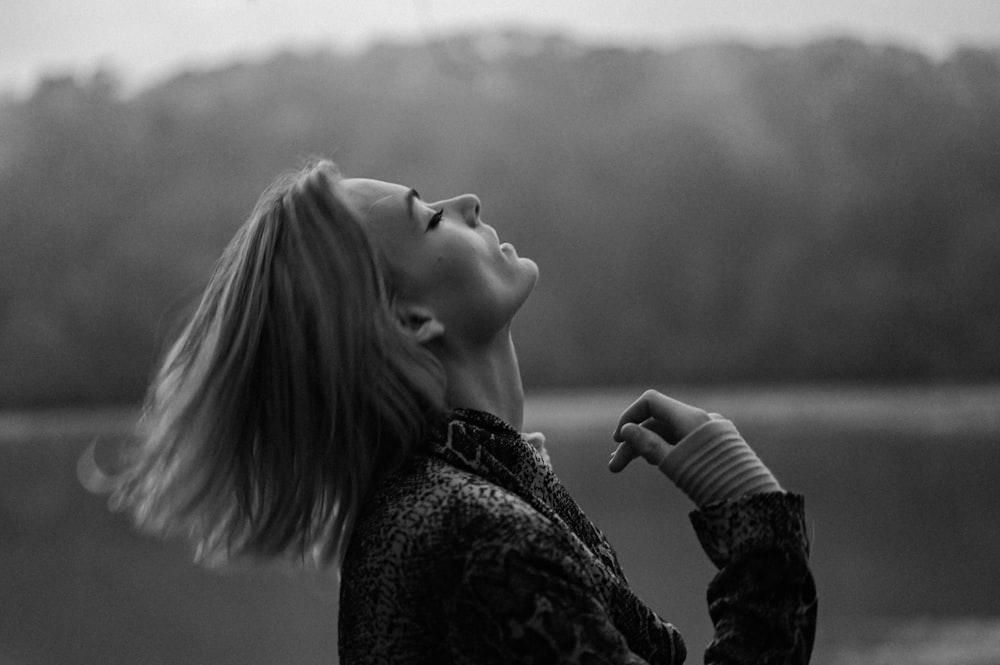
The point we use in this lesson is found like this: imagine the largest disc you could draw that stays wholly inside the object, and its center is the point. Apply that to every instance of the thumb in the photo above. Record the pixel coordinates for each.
(621, 457)
(638, 442)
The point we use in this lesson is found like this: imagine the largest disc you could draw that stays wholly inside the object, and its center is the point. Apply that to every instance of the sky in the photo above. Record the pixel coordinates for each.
(147, 40)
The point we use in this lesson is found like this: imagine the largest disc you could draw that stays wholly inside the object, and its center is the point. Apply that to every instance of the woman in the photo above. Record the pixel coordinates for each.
(348, 392)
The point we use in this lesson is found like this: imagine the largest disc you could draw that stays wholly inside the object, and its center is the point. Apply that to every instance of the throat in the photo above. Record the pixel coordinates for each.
(487, 379)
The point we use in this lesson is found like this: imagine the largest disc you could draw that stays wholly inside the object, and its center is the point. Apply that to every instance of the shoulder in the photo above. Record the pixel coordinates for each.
(421, 532)
(429, 506)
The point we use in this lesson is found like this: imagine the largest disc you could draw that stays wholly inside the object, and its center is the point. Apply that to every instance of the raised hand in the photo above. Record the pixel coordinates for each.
(650, 426)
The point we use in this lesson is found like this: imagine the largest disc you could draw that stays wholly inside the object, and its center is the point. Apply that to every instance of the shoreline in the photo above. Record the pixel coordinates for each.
(940, 408)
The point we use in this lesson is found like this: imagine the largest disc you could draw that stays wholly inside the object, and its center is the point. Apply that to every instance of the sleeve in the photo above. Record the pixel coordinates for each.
(714, 463)
(514, 606)
(763, 599)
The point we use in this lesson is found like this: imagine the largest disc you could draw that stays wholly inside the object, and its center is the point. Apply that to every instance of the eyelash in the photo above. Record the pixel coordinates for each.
(436, 219)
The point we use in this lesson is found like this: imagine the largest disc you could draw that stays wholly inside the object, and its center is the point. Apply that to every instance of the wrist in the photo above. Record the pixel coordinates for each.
(713, 463)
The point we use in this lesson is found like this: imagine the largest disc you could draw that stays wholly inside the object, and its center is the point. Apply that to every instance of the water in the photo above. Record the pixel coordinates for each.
(901, 498)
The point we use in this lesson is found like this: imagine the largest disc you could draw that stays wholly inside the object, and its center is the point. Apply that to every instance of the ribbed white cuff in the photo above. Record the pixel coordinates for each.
(713, 463)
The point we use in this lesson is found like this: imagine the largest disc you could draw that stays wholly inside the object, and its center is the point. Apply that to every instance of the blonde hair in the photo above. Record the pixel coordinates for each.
(288, 393)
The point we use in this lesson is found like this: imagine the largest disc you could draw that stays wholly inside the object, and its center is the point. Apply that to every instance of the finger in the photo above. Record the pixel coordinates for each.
(653, 405)
(668, 417)
(621, 457)
(664, 430)
(636, 412)
(638, 442)
(646, 443)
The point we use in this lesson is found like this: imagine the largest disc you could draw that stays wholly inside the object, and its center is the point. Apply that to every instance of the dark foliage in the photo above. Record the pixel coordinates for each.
(720, 212)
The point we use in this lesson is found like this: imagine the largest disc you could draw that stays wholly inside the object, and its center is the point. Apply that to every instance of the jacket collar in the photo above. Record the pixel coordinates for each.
(485, 445)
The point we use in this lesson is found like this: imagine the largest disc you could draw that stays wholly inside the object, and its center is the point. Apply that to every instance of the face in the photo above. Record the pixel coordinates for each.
(443, 257)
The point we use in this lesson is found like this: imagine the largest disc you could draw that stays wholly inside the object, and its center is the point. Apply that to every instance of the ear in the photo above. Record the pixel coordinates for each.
(418, 323)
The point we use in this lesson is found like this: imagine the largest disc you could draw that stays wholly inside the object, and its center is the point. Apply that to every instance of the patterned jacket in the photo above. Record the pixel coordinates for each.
(473, 552)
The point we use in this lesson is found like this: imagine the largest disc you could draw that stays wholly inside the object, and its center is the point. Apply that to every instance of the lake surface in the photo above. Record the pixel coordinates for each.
(902, 497)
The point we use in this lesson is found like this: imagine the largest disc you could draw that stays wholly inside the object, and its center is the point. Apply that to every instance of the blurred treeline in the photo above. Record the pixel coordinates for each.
(714, 213)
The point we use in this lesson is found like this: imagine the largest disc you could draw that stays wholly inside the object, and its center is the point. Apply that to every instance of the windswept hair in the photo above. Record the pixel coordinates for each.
(290, 390)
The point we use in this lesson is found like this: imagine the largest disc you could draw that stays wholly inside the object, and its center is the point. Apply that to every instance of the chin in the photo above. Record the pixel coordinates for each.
(531, 281)
(533, 267)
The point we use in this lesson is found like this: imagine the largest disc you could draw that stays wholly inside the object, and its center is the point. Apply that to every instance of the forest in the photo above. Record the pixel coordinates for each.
(720, 212)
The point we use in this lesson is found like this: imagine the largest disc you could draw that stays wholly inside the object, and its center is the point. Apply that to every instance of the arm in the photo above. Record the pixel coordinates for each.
(763, 600)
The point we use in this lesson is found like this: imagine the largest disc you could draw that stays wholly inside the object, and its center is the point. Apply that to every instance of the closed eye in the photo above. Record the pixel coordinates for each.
(435, 220)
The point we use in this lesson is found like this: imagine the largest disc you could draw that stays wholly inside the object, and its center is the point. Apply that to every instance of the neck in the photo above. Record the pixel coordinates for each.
(486, 378)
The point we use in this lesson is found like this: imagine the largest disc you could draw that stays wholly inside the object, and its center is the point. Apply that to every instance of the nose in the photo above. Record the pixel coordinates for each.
(469, 206)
